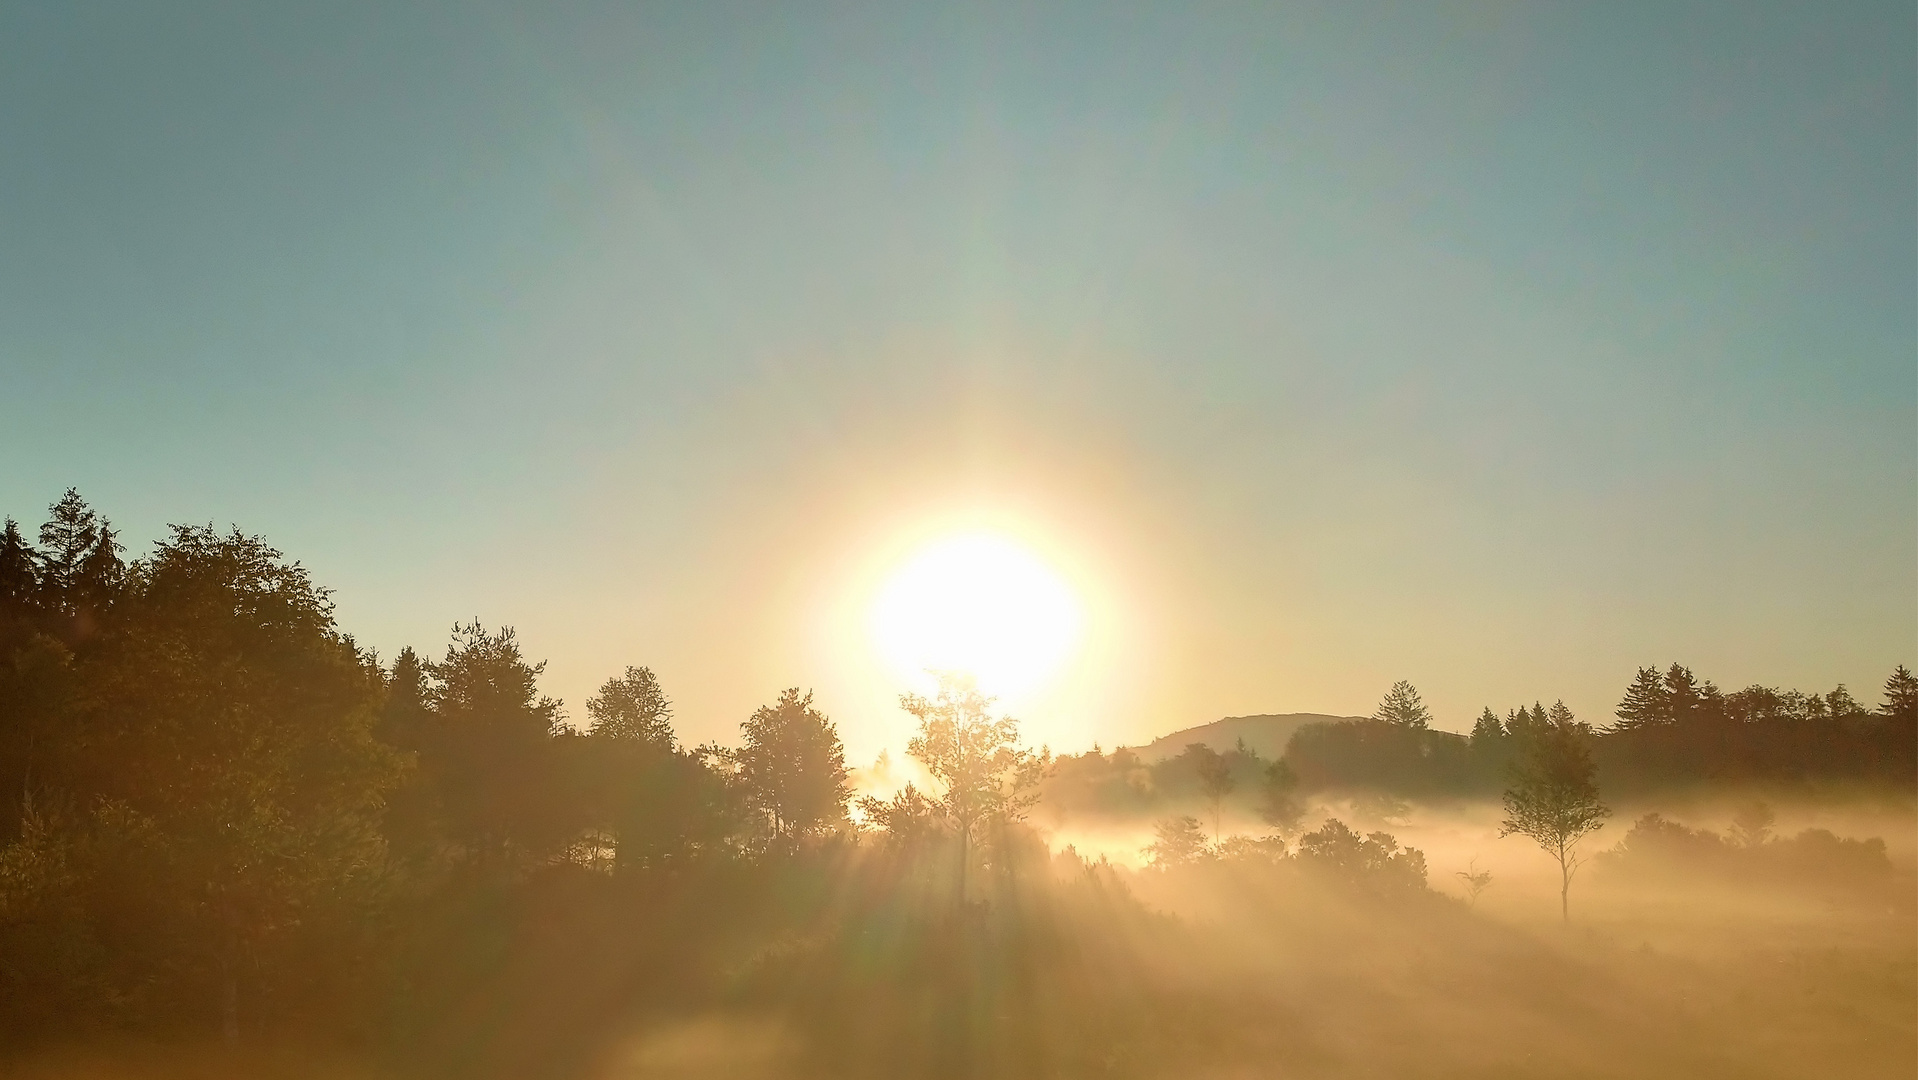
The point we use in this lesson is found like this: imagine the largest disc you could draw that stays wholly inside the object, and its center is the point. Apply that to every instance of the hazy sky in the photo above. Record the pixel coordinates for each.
(1498, 347)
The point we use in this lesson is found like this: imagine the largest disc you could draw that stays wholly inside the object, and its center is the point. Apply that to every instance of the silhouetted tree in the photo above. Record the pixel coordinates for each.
(68, 535)
(1487, 730)
(1279, 804)
(1403, 708)
(793, 767)
(632, 706)
(1476, 880)
(1554, 796)
(1180, 841)
(908, 819)
(492, 751)
(1646, 701)
(225, 746)
(976, 757)
(1901, 697)
(1215, 778)
(1374, 862)
(17, 576)
(1685, 696)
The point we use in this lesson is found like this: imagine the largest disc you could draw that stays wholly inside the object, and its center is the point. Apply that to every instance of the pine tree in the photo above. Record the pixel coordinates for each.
(17, 577)
(1901, 696)
(1683, 696)
(1487, 731)
(101, 575)
(1646, 702)
(70, 534)
(1403, 708)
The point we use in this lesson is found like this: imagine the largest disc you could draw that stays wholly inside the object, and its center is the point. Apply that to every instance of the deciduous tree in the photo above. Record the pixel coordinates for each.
(793, 767)
(1554, 796)
(977, 759)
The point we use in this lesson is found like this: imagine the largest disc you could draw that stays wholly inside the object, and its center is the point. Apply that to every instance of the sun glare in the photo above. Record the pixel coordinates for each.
(978, 603)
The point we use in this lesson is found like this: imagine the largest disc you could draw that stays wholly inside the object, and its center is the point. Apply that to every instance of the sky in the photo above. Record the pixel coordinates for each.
(1499, 347)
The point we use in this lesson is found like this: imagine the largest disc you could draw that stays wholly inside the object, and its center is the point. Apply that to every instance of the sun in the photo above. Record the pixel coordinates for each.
(979, 603)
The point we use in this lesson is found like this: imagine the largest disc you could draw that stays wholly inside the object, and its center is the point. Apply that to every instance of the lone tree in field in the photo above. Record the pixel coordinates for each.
(1554, 798)
(977, 759)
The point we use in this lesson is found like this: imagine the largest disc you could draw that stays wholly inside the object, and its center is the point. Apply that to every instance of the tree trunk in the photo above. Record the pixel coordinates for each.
(1565, 893)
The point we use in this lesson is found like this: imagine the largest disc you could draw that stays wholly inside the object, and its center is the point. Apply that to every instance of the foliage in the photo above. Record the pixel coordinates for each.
(1554, 797)
(1215, 777)
(632, 706)
(1374, 862)
(984, 773)
(792, 767)
(1180, 842)
(1657, 848)
(1403, 708)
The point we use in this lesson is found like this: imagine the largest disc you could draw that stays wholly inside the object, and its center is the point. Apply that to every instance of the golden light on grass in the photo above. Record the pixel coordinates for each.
(981, 603)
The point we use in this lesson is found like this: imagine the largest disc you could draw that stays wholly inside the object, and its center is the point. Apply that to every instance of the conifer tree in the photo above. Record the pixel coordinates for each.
(1684, 697)
(1901, 696)
(70, 534)
(1646, 702)
(1402, 707)
(1487, 731)
(17, 577)
(101, 575)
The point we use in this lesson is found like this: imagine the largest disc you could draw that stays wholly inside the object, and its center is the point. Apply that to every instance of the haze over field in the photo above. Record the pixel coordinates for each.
(601, 541)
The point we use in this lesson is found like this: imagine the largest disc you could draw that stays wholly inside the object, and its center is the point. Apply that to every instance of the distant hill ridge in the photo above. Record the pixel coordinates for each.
(1266, 734)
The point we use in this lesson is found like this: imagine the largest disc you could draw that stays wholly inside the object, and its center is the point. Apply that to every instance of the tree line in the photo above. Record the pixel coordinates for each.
(221, 815)
(1673, 731)
(220, 811)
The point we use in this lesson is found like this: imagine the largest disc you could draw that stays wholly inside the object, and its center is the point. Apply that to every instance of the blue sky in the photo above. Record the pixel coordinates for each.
(1501, 347)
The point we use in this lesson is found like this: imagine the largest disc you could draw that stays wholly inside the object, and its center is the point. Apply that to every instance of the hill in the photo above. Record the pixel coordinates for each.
(1266, 733)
